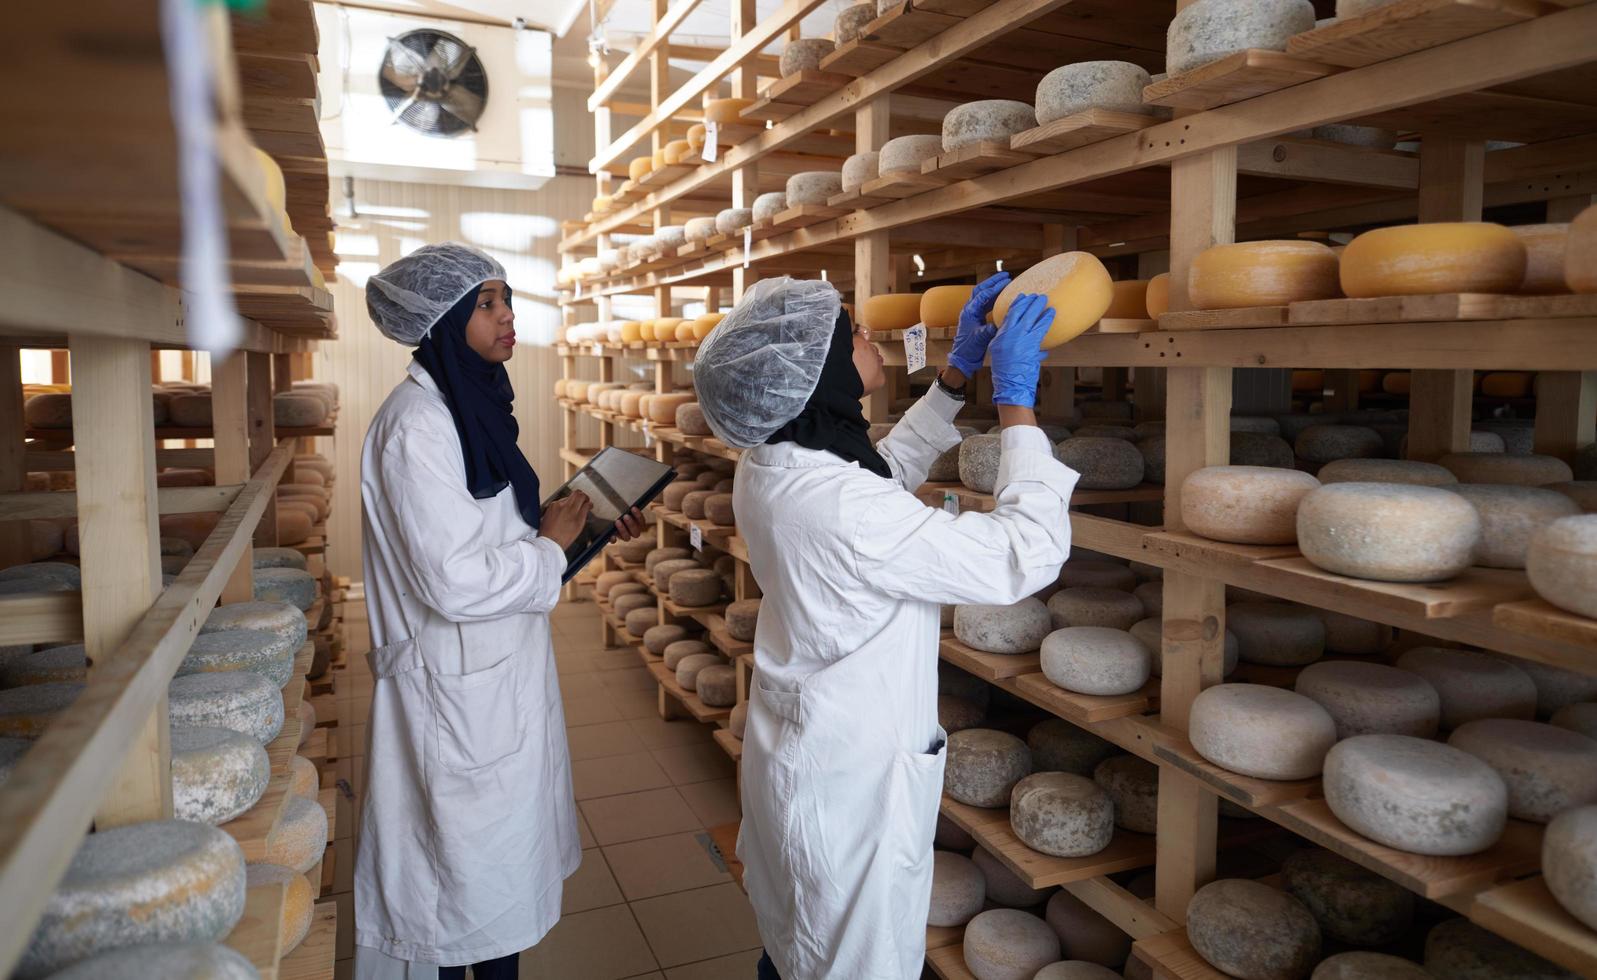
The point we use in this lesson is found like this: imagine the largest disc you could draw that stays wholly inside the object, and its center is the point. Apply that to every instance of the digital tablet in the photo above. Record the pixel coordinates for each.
(615, 481)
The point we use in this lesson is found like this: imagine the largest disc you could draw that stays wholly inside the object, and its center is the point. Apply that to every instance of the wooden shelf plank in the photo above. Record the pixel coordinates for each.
(1405, 27)
(939, 936)
(1079, 129)
(696, 707)
(987, 666)
(1538, 617)
(730, 744)
(1471, 590)
(896, 187)
(1442, 308)
(1126, 851)
(1234, 78)
(1171, 957)
(1087, 709)
(1525, 912)
(948, 962)
(258, 934)
(1172, 747)
(974, 160)
(1184, 544)
(313, 958)
(1245, 319)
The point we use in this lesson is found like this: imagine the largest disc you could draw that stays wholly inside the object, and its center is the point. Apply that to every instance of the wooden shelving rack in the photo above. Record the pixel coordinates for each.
(1147, 194)
(92, 227)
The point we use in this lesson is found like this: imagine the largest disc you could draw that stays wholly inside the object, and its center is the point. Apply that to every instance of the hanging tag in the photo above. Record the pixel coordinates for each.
(711, 145)
(648, 437)
(950, 503)
(748, 240)
(578, 290)
(695, 537)
(915, 348)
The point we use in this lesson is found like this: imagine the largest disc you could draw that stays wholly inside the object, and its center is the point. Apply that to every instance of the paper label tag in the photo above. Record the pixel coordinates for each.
(598, 348)
(748, 241)
(648, 437)
(915, 348)
(578, 290)
(711, 144)
(695, 537)
(950, 503)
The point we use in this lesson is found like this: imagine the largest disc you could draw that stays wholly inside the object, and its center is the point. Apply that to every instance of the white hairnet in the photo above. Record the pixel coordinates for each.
(761, 364)
(409, 296)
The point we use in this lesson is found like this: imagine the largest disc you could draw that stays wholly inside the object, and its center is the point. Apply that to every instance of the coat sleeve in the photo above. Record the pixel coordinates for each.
(910, 551)
(925, 432)
(439, 526)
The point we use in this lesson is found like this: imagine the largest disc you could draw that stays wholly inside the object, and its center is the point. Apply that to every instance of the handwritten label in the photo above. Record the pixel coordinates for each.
(711, 143)
(748, 241)
(695, 537)
(950, 503)
(915, 348)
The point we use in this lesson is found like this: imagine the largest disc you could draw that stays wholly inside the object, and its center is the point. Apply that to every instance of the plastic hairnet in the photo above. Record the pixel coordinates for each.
(408, 297)
(760, 365)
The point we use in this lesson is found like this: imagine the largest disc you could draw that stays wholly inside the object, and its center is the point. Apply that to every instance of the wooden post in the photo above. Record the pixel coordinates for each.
(1343, 390)
(119, 538)
(263, 438)
(15, 543)
(60, 367)
(871, 268)
(1566, 412)
(230, 427)
(745, 180)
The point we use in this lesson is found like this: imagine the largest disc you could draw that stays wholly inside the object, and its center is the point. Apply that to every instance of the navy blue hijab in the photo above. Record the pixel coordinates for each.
(479, 397)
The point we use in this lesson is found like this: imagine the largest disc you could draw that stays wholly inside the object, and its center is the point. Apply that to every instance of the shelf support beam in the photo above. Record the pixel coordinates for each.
(15, 544)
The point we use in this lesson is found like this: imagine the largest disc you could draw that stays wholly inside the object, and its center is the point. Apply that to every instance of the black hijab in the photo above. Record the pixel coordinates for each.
(832, 418)
(479, 397)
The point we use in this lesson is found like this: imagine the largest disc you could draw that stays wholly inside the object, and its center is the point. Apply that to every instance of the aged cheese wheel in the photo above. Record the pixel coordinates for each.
(1133, 784)
(1061, 814)
(1278, 634)
(56, 665)
(639, 621)
(677, 490)
(1442, 257)
(1244, 504)
(1410, 471)
(983, 766)
(955, 714)
(1078, 288)
(191, 410)
(1158, 295)
(1580, 253)
(217, 774)
(658, 556)
(165, 881)
(804, 54)
(1103, 464)
(1364, 698)
(717, 685)
(739, 720)
(1212, 29)
(297, 901)
(627, 604)
(860, 168)
(263, 653)
(1547, 769)
(237, 700)
(1151, 595)
(281, 619)
(608, 580)
(305, 779)
(958, 890)
(768, 206)
(813, 187)
(1518, 435)
(1113, 85)
(188, 961)
(293, 526)
(1415, 794)
(1388, 532)
(639, 167)
(293, 410)
(693, 503)
(1569, 862)
(1058, 746)
(696, 587)
(1562, 564)
(663, 408)
(1096, 573)
(1351, 904)
(677, 151)
(657, 638)
(278, 558)
(604, 202)
(682, 650)
(1510, 515)
(1272, 273)
(196, 478)
(698, 229)
(1084, 935)
(40, 576)
(1326, 443)
(635, 550)
(288, 585)
(1472, 685)
(1075, 970)
(1008, 944)
(1093, 606)
(1580, 718)
(1368, 966)
(851, 23)
(1458, 949)
(50, 410)
(1017, 628)
(307, 722)
(891, 311)
(688, 668)
(1557, 688)
(25, 711)
(940, 306)
(725, 110)
(978, 462)
(701, 329)
(905, 154)
(741, 619)
(1130, 301)
(1506, 384)
(1248, 929)
(671, 236)
(1095, 660)
(1261, 731)
(729, 221)
(300, 837)
(988, 120)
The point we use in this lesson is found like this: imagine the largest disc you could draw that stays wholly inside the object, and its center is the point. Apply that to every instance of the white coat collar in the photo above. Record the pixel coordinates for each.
(791, 455)
(421, 376)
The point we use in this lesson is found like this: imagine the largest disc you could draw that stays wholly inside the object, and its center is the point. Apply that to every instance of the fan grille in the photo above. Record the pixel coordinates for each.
(434, 83)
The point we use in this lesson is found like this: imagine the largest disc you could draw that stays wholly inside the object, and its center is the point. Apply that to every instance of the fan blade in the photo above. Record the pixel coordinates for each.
(405, 59)
(399, 110)
(460, 64)
(463, 104)
(424, 116)
(400, 78)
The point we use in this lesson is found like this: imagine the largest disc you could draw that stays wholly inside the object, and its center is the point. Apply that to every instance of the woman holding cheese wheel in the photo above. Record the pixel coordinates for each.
(843, 757)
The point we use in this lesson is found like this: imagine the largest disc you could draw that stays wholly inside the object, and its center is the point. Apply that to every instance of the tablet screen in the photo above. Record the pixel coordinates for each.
(615, 481)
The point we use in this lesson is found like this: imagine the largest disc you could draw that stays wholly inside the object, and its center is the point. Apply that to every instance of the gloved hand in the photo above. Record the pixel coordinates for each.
(1017, 351)
(975, 333)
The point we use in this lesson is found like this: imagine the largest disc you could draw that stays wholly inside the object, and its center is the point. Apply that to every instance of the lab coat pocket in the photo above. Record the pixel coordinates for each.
(917, 789)
(477, 715)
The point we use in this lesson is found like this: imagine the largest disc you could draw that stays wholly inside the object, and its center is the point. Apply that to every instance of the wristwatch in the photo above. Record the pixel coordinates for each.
(958, 394)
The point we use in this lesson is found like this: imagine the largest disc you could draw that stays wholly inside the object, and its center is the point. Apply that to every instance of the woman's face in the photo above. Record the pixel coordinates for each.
(491, 331)
(868, 361)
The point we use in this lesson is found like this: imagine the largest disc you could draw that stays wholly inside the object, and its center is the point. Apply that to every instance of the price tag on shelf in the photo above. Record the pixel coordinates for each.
(950, 503)
(748, 241)
(711, 144)
(915, 348)
(695, 537)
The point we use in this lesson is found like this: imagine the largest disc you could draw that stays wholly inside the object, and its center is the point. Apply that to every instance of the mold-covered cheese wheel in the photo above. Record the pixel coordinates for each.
(905, 154)
(1544, 257)
(300, 837)
(1078, 288)
(293, 410)
(40, 576)
(716, 685)
(768, 206)
(804, 54)
(940, 306)
(1531, 470)
(1362, 965)
(978, 462)
(851, 23)
(1085, 936)
(211, 961)
(1415, 794)
(1113, 85)
(1244, 504)
(693, 504)
(1095, 606)
(640, 620)
(305, 779)
(958, 889)
(1364, 698)
(297, 901)
(988, 120)
(1278, 634)
(1212, 29)
(682, 650)
(1569, 862)
(1248, 929)
(1133, 784)
(281, 619)
(983, 766)
(1510, 515)
(1272, 273)
(813, 187)
(1410, 471)
(1444, 257)
(1352, 904)
(1261, 731)
(1058, 746)
(1458, 948)
(1016, 628)
(696, 587)
(1388, 532)
(1095, 660)
(1096, 573)
(1547, 769)
(238, 700)
(1580, 253)
(859, 168)
(1061, 814)
(698, 229)
(288, 585)
(258, 651)
(190, 411)
(1102, 463)
(1472, 685)
(217, 773)
(689, 668)
(1008, 944)
(729, 221)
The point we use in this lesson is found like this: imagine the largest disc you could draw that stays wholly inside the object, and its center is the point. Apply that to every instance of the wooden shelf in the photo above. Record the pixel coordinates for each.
(1171, 957)
(1079, 129)
(1233, 78)
(1087, 709)
(312, 959)
(987, 666)
(1126, 851)
(258, 933)
(1525, 912)
(1538, 617)
(1405, 27)
(948, 962)
(1172, 748)
(730, 744)
(696, 707)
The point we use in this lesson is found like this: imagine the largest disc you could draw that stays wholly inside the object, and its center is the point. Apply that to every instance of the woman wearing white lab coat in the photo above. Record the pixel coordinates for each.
(469, 825)
(843, 757)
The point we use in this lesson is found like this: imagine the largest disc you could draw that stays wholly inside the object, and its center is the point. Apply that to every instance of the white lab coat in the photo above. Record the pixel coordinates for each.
(843, 757)
(469, 826)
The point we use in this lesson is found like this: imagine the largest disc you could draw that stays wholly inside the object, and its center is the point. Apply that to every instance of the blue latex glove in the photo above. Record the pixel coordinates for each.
(975, 333)
(1017, 351)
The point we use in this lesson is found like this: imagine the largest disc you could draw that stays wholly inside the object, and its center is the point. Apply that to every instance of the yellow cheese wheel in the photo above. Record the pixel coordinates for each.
(1395, 383)
(1505, 384)
(665, 329)
(1544, 257)
(602, 203)
(297, 901)
(658, 158)
(276, 187)
(640, 167)
(1580, 253)
(940, 305)
(1226, 277)
(676, 151)
(631, 332)
(1444, 257)
(704, 324)
(663, 408)
(646, 331)
(1157, 299)
(632, 404)
(696, 136)
(1308, 381)
(1369, 382)
(1078, 288)
(891, 311)
(1130, 300)
(725, 110)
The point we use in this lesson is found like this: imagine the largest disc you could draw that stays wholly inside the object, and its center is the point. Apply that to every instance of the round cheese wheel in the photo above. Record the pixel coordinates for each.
(657, 638)
(1445, 257)
(1388, 532)
(663, 408)
(851, 23)
(1058, 746)
(240, 701)
(1113, 609)
(305, 779)
(698, 229)
(210, 961)
(738, 722)
(958, 889)
(25, 711)
(1364, 698)
(297, 901)
(983, 766)
(905, 154)
(640, 167)
(768, 206)
(299, 839)
(696, 587)
(741, 619)
(1132, 783)
(1095, 660)
(1085, 936)
(285, 585)
(1113, 85)
(602, 203)
(955, 714)
(696, 136)
(307, 722)
(978, 462)
(1151, 595)
(1569, 862)
(716, 685)
(1557, 688)
(40, 576)
(706, 323)
(257, 651)
(1209, 30)
(1351, 904)
(1580, 253)
(1544, 257)
(49, 410)
(891, 311)
(1272, 273)
(294, 526)
(813, 187)
(1157, 296)
(1461, 950)
(281, 619)
(1509, 516)
(1504, 384)
(1410, 471)
(1547, 769)
(677, 151)
(278, 558)
(1277, 634)
(1103, 464)
(1078, 288)
(1368, 966)
(804, 54)
(55, 665)
(1075, 970)
(987, 120)
(1008, 944)
(693, 504)
(940, 306)
(1096, 573)
(1472, 685)
(1061, 814)
(718, 509)
(1244, 504)
(1319, 444)
(1248, 929)
(1130, 300)
(293, 410)
(640, 620)
(1017, 628)
(217, 774)
(164, 881)
(729, 221)
(681, 650)
(860, 168)
(1530, 471)
(1261, 731)
(688, 669)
